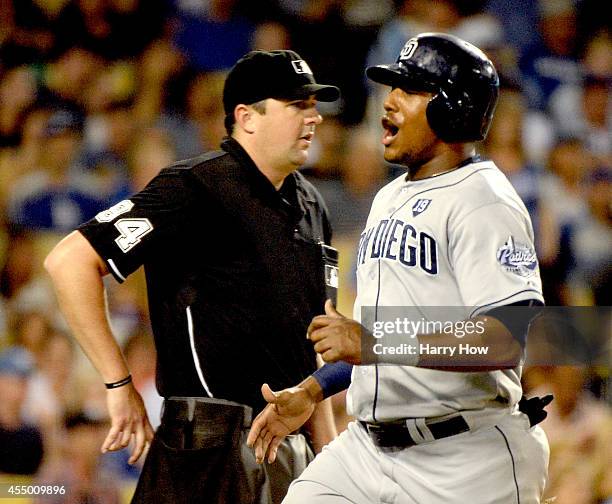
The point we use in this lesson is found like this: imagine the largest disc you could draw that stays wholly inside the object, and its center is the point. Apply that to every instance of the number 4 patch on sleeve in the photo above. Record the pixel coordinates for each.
(132, 230)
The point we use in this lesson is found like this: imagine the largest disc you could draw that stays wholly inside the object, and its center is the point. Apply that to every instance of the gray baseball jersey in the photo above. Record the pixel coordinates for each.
(459, 239)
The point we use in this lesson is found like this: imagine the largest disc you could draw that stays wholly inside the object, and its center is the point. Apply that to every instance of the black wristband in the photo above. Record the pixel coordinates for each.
(120, 383)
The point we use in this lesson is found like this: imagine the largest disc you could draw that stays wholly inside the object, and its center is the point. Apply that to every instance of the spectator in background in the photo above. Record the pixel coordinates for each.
(204, 108)
(22, 159)
(214, 38)
(563, 190)
(597, 57)
(148, 155)
(583, 109)
(112, 29)
(323, 163)
(270, 36)
(21, 445)
(51, 393)
(514, 16)
(30, 331)
(22, 289)
(200, 125)
(17, 93)
(65, 78)
(31, 30)
(160, 65)
(584, 112)
(552, 60)
(579, 431)
(4, 339)
(113, 83)
(80, 470)
(48, 198)
(103, 166)
(17, 269)
(590, 242)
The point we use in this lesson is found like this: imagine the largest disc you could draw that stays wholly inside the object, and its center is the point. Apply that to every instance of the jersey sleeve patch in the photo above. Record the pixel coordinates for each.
(517, 258)
(131, 232)
(115, 211)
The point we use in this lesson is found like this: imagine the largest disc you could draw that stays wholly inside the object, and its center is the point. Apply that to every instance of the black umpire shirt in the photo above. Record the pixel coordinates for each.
(234, 273)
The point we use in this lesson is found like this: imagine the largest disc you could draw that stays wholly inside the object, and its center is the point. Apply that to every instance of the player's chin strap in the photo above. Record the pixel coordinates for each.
(534, 408)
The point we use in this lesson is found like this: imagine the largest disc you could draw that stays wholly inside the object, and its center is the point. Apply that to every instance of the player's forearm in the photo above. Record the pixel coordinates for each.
(321, 425)
(494, 348)
(489, 347)
(77, 279)
(313, 388)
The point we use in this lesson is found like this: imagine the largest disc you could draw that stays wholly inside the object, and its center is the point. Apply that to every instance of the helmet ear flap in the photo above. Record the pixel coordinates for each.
(448, 115)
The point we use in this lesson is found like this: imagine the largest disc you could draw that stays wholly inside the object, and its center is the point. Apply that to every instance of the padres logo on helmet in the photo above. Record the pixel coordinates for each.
(463, 79)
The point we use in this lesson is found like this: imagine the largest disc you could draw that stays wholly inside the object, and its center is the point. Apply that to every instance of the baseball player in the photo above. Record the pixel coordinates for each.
(438, 424)
(235, 249)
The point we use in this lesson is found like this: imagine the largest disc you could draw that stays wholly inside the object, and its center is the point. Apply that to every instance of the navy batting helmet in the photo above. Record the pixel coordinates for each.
(464, 82)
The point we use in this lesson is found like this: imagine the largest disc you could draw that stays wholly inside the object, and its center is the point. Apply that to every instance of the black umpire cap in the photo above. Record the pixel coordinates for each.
(272, 74)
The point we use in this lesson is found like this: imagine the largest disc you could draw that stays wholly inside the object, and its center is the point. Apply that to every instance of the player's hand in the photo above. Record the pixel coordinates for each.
(286, 412)
(335, 336)
(128, 420)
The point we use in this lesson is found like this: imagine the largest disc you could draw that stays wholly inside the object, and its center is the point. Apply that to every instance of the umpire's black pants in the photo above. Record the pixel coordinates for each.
(199, 455)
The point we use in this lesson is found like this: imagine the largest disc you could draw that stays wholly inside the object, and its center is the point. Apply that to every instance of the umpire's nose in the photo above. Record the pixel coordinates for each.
(313, 117)
(311, 114)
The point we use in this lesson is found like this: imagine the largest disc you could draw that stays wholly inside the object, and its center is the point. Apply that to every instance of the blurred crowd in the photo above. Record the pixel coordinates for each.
(96, 96)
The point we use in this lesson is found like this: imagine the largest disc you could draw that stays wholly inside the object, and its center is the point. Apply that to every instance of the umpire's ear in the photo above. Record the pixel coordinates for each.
(245, 118)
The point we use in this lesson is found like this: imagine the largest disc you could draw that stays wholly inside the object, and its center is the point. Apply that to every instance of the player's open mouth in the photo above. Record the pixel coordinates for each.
(390, 130)
(307, 137)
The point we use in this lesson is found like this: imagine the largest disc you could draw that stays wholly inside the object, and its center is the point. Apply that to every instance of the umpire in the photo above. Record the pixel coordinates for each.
(233, 245)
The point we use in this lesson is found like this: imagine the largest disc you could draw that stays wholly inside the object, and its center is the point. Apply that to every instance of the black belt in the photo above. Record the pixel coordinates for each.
(202, 410)
(396, 434)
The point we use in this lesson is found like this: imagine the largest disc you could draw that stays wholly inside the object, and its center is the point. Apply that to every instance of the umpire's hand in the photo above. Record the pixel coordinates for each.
(128, 418)
(335, 336)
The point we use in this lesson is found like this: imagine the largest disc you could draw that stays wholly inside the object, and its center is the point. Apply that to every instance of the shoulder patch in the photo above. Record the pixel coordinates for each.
(115, 211)
(517, 258)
